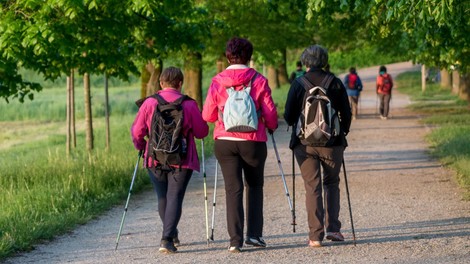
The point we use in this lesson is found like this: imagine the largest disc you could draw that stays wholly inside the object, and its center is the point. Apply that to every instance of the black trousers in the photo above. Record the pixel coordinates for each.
(322, 212)
(235, 158)
(170, 188)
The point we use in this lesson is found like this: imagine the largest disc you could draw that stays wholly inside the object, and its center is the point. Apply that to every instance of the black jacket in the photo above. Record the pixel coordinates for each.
(339, 100)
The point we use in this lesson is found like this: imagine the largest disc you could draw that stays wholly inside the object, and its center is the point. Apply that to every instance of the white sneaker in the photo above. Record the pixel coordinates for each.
(234, 250)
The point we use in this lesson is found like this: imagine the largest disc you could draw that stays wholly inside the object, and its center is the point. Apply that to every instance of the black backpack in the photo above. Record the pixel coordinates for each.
(166, 142)
(318, 123)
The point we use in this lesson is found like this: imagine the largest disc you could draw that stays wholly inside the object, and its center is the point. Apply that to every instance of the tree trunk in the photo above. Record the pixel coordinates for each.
(464, 90)
(68, 137)
(446, 80)
(153, 83)
(88, 117)
(144, 79)
(272, 78)
(72, 108)
(455, 82)
(106, 113)
(282, 74)
(193, 76)
(222, 63)
(423, 78)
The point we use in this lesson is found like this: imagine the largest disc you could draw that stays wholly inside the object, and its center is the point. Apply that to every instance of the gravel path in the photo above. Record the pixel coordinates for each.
(406, 207)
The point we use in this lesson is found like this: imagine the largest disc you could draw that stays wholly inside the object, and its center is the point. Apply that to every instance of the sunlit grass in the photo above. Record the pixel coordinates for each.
(450, 141)
(45, 193)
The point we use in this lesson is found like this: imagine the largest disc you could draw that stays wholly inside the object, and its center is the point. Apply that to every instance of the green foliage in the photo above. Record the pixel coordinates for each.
(360, 57)
(433, 32)
(451, 118)
(13, 85)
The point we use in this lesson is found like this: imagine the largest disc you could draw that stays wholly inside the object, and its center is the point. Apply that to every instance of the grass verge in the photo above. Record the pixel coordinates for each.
(44, 193)
(450, 118)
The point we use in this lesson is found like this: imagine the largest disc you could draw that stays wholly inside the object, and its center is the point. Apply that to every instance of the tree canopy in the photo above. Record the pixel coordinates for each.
(117, 36)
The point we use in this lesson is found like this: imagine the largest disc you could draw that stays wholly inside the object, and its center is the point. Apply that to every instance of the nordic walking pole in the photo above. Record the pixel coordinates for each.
(213, 203)
(293, 191)
(349, 203)
(284, 180)
(205, 190)
(128, 198)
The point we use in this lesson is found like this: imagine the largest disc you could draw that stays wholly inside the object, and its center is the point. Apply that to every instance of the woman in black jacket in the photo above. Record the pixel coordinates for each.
(313, 159)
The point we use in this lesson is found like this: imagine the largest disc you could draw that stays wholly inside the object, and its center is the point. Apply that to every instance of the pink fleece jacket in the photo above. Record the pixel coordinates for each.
(193, 126)
(236, 76)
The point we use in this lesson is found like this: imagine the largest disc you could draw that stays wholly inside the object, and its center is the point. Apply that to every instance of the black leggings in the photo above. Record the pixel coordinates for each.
(170, 188)
(234, 158)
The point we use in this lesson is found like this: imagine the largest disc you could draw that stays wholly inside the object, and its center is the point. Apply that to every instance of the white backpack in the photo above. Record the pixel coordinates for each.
(240, 113)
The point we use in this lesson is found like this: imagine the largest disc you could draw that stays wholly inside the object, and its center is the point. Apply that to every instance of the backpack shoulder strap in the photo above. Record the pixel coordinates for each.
(305, 82)
(181, 99)
(252, 79)
(327, 80)
(141, 101)
(160, 99)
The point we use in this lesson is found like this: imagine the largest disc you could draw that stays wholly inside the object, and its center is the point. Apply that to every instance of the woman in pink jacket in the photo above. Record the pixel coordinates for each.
(239, 152)
(170, 186)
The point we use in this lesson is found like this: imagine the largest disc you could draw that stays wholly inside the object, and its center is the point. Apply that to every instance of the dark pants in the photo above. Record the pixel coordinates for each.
(234, 158)
(323, 212)
(170, 188)
(384, 104)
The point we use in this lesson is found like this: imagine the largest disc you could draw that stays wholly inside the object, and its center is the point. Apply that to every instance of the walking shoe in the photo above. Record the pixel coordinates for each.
(255, 241)
(167, 247)
(334, 236)
(176, 241)
(234, 249)
(312, 243)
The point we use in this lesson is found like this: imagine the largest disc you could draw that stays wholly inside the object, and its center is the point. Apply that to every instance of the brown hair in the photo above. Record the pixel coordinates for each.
(238, 51)
(172, 76)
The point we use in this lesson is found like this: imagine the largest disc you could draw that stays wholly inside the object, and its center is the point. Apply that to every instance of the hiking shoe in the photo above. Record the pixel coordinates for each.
(334, 236)
(167, 247)
(255, 241)
(315, 244)
(234, 250)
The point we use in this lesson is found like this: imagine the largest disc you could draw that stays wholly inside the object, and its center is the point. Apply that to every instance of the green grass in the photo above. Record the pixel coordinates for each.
(44, 193)
(450, 116)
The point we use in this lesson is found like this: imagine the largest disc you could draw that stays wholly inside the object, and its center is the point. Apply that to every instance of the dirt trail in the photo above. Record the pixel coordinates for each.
(406, 207)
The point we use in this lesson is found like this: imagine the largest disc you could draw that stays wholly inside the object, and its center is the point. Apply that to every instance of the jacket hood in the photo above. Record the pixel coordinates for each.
(235, 77)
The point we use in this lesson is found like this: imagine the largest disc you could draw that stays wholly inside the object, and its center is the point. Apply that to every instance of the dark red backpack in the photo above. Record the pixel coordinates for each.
(352, 81)
(386, 83)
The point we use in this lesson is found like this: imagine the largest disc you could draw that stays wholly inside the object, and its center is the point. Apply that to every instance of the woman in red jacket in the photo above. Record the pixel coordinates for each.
(170, 185)
(239, 152)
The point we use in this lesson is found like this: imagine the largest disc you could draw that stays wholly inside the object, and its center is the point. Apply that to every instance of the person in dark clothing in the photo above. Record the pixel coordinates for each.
(312, 160)
(297, 73)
